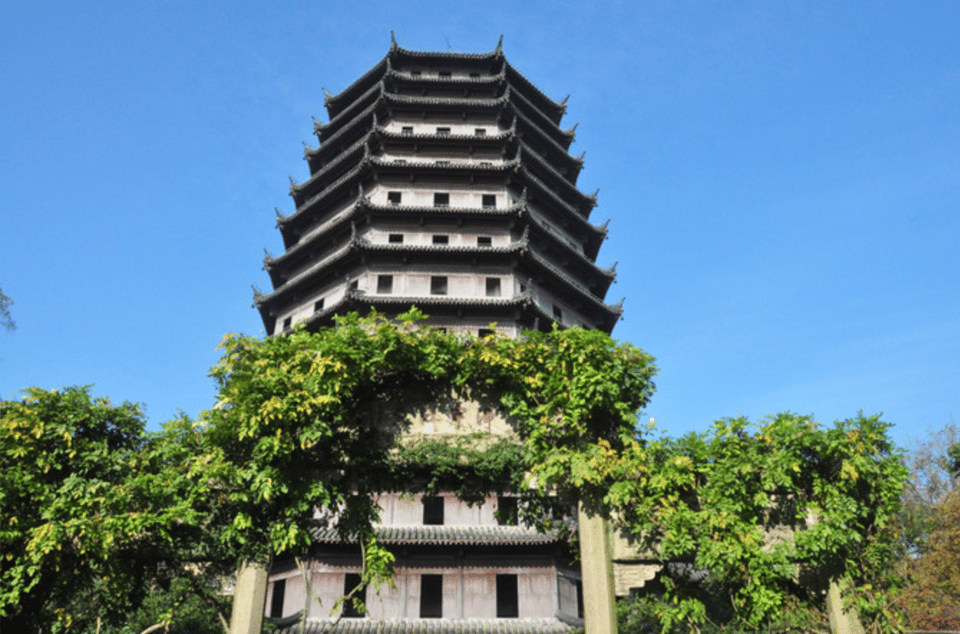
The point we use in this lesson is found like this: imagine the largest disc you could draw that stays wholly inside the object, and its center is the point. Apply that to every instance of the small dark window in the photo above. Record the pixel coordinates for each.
(493, 287)
(480, 132)
(443, 330)
(276, 601)
(507, 604)
(318, 306)
(489, 200)
(486, 163)
(394, 198)
(441, 200)
(474, 74)
(432, 510)
(431, 596)
(287, 322)
(579, 599)
(507, 510)
(445, 73)
(395, 238)
(484, 241)
(407, 129)
(485, 332)
(441, 239)
(415, 73)
(354, 285)
(443, 162)
(443, 131)
(384, 284)
(400, 161)
(351, 581)
(557, 313)
(438, 285)
(523, 287)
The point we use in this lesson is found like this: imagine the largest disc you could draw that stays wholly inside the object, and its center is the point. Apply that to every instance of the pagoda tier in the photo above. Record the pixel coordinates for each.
(443, 181)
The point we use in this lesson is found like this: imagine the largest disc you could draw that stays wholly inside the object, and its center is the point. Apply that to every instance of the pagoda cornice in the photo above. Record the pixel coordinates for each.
(528, 124)
(586, 203)
(407, 79)
(568, 136)
(559, 241)
(370, 96)
(470, 103)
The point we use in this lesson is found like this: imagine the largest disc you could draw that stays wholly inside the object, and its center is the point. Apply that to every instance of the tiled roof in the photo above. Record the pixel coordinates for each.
(449, 535)
(431, 626)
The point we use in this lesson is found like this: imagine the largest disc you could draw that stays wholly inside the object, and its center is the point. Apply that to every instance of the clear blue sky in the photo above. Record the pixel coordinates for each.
(782, 179)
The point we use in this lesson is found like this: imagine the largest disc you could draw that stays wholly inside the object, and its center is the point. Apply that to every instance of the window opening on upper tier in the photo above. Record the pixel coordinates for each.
(432, 510)
(287, 322)
(484, 332)
(493, 287)
(484, 241)
(394, 198)
(441, 199)
(431, 596)
(407, 129)
(438, 285)
(276, 601)
(352, 580)
(355, 285)
(507, 510)
(443, 162)
(445, 74)
(384, 284)
(318, 305)
(508, 605)
(395, 238)
(441, 239)
(486, 163)
(489, 200)
(557, 313)
(480, 132)
(474, 74)
(399, 160)
(443, 131)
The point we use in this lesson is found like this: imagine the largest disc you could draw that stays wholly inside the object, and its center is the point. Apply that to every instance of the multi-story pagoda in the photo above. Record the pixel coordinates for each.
(442, 181)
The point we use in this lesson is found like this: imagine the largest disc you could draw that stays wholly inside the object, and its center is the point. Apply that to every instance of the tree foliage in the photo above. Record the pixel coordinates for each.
(95, 511)
(308, 428)
(312, 420)
(751, 520)
(6, 320)
(930, 533)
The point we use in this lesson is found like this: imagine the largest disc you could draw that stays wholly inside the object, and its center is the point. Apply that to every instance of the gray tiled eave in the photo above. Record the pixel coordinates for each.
(448, 535)
(431, 626)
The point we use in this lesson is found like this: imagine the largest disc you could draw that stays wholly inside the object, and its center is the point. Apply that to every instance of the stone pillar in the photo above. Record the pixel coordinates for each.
(842, 621)
(596, 569)
(249, 599)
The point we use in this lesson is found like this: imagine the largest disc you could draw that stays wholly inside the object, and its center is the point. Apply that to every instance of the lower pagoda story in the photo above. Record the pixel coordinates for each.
(457, 569)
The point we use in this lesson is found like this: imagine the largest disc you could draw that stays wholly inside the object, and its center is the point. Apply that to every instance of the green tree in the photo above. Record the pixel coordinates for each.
(751, 521)
(930, 532)
(95, 512)
(311, 420)
(5, 319)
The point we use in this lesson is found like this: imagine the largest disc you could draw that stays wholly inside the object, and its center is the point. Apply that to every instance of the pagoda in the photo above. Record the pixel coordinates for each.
(441, 181)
